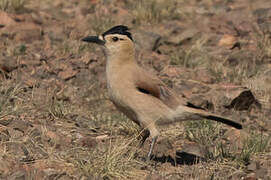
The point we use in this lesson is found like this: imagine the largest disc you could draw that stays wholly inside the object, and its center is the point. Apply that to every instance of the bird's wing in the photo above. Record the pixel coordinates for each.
(148, 83)
(151, 85)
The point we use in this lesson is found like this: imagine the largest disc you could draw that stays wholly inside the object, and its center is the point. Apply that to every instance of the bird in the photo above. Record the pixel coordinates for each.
(139, 94)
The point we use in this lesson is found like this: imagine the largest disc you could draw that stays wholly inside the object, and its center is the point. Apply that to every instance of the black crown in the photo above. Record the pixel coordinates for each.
(120, 29)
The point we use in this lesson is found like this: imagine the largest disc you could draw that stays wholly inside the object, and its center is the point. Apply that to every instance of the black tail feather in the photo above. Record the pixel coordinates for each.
(225, 121)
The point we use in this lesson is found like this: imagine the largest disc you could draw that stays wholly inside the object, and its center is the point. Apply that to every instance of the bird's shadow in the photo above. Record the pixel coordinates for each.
(181, 158)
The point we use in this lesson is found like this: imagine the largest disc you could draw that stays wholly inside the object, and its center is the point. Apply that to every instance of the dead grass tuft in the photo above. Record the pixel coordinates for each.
(12, 5)
(192, 57)
(10, 99)
(116, 160)
(211, 134)
(101, 23)
(153, 11)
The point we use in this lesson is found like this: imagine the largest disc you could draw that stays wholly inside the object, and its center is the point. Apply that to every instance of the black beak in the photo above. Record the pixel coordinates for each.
(94, 39)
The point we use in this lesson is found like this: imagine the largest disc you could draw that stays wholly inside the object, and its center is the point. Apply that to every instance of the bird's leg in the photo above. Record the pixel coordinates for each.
(145, 135)
(151, 148)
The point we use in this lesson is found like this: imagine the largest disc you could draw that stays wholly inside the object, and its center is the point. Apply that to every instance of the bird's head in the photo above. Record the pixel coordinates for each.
(116, 40)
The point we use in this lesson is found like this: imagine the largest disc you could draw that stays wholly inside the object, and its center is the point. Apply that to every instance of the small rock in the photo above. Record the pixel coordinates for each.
(28, 32)
(53, 137)
(252, 166)
(195, 149)
(5, 19)
(88, 142)
(20, 125)
(67, 73)
(227, 41)
(201, 102)
(261, 173)
(8, 64)
(36, 18)
(163, 147)
(244, 101)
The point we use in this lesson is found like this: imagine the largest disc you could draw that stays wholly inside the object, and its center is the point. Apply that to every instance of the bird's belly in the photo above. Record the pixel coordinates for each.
(143, 109)
(118, 98)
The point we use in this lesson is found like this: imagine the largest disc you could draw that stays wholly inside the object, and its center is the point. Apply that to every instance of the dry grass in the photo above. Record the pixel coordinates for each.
(153, 11)
(193, 57)
(115, 160)
(101, 23)
(11, 101)
(12, 5)
(211, 135)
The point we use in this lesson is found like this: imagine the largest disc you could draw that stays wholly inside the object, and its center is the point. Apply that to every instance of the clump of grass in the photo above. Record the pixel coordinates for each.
(113, 161)
(153, 11)
(248, 66)
(216, 71)
(101, 23)
(210, 135)
(241, 66)
(49, 103)
(120, 124)
(12, 5)
(20, 50)
(239, 73)
(192, 57)
(255, 144)
(9, 94)
(204, 132)
(263, 47)
(58, 108)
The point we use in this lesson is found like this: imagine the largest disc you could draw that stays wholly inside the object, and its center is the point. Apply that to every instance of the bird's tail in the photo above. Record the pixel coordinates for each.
(184, 113)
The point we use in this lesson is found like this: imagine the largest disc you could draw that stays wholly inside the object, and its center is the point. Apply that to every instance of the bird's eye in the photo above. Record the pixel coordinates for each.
(115, 39)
